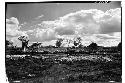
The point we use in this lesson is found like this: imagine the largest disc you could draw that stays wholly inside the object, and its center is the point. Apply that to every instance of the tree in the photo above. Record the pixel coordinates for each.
(36, 45)
(68, 42)
(8, 43)
(80, 46)
(119, 46)
(59, 42)
(77, 42)
(93, 46)
(24, 41)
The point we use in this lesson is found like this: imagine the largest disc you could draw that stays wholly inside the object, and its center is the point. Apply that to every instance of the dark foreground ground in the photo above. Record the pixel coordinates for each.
(63, 68)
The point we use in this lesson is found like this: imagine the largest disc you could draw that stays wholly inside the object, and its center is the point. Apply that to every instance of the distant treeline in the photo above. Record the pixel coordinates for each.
(58, 48)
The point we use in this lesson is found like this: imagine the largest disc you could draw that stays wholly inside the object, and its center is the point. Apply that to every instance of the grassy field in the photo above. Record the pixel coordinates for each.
(62, 68)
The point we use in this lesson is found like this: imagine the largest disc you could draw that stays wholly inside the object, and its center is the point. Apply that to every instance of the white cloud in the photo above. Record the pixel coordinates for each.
(12, 20)
(45, 34)
(102, 39)
(16, 42)
(84, 19)
(13, 28)
(110, 26)
(111, 21)
(92, 25)
(109, 42)
(115, 35)
(41, 35)
(91, 21)
(65, 30)
(85, 23)
(13, 31)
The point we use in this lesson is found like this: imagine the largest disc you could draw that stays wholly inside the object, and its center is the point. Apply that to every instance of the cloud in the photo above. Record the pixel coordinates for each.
(13, 28)
(108, 42)
(91, 21)
(115, 35)
(45, 34)
(102, 39)
(13, 31)
(16, 42)
(91, 25)
(83, 20)
(12, 20)
(41, 35)
(65, 30)
(111, 21)
(110, 26)
(111, 39)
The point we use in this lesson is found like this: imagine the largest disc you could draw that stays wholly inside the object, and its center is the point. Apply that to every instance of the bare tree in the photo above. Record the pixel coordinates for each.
(24, 41)
(77, 42)
(69, 41)
(59, 42)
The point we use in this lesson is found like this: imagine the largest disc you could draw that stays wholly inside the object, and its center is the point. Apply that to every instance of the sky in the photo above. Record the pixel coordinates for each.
(45, 22)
